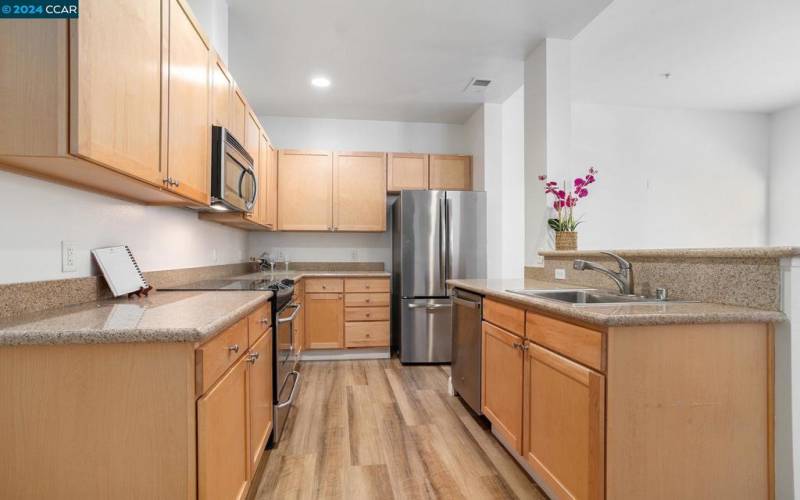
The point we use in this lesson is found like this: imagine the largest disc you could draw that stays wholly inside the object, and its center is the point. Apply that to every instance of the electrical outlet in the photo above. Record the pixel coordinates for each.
(561, 274)
(68, 264)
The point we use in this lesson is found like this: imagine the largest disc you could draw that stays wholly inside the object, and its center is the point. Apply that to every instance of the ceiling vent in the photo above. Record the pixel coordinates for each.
(477, 85)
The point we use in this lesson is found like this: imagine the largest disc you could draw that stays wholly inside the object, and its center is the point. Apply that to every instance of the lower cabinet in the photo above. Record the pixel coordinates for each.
(502, 379)
(324, 320)
(564, 423)
(222, 441)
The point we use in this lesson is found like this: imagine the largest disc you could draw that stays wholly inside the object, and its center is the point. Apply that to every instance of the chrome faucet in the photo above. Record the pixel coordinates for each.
(266, 262)
(623, 278)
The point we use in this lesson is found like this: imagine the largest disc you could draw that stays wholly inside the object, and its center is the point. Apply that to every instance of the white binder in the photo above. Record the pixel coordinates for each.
(120, 269)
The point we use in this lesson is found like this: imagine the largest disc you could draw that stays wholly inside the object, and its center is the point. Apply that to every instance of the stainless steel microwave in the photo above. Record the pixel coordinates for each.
(233, 177)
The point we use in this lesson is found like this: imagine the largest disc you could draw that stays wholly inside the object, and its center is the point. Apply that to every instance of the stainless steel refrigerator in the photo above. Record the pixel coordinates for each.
(436, 236)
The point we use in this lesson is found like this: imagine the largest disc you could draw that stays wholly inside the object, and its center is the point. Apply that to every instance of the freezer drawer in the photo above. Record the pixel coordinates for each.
(425, 336)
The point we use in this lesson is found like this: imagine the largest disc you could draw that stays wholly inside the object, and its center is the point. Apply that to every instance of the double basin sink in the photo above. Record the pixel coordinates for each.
(587, 296)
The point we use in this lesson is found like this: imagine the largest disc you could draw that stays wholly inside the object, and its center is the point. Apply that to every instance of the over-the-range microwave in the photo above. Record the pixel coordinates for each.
(233, 178)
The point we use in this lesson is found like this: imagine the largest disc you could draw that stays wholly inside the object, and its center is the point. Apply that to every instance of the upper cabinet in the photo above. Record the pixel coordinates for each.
(407, 171)
(271, 204)
(305, 190)
(117, 88)
(189, 133)
(359, 192)
(450, 172)
(238, 115)
(252, 134)
(221, 93)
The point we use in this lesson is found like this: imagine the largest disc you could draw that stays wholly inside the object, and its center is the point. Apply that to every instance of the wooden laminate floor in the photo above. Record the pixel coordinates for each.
(379, 430)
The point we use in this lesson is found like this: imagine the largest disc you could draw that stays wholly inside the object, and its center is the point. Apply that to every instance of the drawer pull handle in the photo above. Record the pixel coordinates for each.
(264, 321)
(253, 357)
(366, 300)
(324, 287)
(233, 348)
(367, 315)
(517, 345)
(368, 335)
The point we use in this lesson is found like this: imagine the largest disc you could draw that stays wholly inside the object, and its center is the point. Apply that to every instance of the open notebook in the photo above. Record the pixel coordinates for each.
(120, 269)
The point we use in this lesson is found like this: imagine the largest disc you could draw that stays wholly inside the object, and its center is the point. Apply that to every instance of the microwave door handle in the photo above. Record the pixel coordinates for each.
(252, 201)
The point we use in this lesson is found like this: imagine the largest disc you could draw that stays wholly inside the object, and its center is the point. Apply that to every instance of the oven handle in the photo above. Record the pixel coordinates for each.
(289, 401)
(291, 318)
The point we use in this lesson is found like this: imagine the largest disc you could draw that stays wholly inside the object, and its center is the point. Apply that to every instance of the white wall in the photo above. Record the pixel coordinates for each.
(365, 135)
(351, 135)
(39, 215)
(670, 178)
(784, 176)
(547, 133)
(213, 17)
(512, 186)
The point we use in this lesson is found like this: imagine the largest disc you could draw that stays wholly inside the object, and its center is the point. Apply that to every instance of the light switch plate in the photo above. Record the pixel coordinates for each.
(561, 274)
(68, 264)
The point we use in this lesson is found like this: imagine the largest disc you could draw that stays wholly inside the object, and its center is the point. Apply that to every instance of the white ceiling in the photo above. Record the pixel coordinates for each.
(404, 60)
(741, 55)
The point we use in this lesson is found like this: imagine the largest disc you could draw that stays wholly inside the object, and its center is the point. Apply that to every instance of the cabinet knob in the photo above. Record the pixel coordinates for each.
(366, 300)
(367, 287)
(367, 315)
(368, 335)
(264, 321)
(233, 348)
(324, 287)
(253, 357)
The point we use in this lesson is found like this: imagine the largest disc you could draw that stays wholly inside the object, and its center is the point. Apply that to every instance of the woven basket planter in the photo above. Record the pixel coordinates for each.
(566, 240)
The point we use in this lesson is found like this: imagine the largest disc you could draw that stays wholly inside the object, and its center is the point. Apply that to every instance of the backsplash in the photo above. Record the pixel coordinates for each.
(748, 277)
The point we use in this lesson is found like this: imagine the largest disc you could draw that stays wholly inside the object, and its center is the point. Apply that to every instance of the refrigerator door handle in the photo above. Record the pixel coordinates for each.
(442, 242)
(430, 307)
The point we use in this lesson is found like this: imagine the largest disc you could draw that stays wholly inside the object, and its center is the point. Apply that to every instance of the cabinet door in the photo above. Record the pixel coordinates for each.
(407, 171)
(359, 192)
(450, 172)
(221, 87)
(324, 320)
(502, 383)
(564, 424)
(271, 217)
(116, 86)
(259, 381)
(238, 115)
(222, 441)
(305, 188)
(189, 131)
(252, 134)
(299, 324)
(264, 191)
(259, 163)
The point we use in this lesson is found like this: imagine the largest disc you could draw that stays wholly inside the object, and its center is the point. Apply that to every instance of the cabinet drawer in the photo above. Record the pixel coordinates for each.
(366, 314)
(258, 322)
(219, 353)
(366, 299)
(366, 285)
(324, 286)
(505, 316)
(575, 342)
(369, 334)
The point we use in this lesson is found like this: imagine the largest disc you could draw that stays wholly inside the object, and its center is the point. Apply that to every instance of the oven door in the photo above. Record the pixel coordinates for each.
(287, 377)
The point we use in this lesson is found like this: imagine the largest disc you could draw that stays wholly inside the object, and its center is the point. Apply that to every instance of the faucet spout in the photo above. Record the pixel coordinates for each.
(622, 278)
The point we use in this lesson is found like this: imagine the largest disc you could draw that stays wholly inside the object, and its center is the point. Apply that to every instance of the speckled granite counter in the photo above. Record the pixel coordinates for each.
(162, 317)
(297, 275)
(618, 314)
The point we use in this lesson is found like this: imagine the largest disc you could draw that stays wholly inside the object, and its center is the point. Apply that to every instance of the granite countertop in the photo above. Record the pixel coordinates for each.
(161, 317)
(297, 275)
(669, 313)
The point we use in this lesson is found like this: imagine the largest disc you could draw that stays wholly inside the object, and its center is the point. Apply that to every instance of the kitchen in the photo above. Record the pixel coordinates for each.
(376, 238)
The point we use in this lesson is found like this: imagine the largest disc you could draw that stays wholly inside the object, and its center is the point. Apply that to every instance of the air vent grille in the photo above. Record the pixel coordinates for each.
(481, 83)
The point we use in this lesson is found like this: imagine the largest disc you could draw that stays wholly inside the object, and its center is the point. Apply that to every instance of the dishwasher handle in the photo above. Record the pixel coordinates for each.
(466, 303)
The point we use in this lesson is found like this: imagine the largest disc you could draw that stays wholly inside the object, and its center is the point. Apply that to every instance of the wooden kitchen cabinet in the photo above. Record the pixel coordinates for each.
(116, 87)
(407, 171)
(271, 205)
(452, 172)
(299, 321)
(252, 134)
(238, 114)
(305, 190)
(222, 441)
(221, 91)
(189, 133)
(259, 387)
(324, 320)
(502, 383)
(359, 191)
(564, 422)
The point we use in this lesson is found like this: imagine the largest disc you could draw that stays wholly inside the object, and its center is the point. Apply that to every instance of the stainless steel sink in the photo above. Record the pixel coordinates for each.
(587, 296)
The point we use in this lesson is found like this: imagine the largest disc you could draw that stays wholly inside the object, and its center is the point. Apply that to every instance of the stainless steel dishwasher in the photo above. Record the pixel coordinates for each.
(466, 367)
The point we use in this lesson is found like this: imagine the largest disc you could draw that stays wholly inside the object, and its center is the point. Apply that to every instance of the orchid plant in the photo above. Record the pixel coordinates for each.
(564, 201)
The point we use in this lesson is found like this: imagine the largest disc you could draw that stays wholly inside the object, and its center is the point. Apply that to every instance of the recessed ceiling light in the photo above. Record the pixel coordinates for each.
(321, 82)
